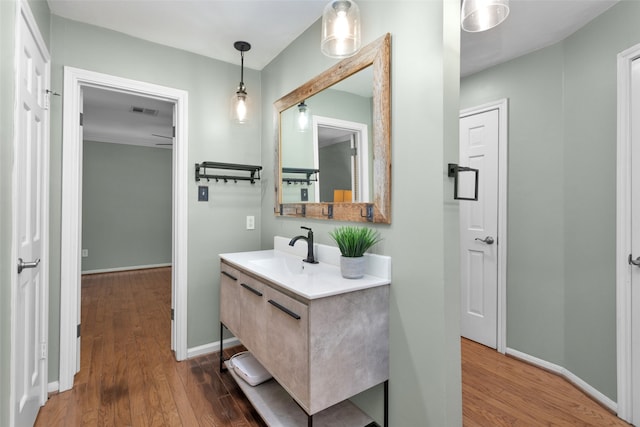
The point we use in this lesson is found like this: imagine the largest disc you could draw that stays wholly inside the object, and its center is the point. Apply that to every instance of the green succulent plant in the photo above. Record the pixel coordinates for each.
(354, 241)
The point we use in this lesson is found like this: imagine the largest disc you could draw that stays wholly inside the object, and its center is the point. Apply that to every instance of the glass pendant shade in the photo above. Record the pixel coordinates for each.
(341, 29)
(303, 118)
(240, 106)
(482, 15)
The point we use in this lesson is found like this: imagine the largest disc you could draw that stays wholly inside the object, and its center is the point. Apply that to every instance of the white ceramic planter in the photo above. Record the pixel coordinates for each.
(352, 267)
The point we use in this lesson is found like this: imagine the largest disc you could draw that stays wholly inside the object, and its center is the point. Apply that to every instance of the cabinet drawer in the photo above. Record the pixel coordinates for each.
(229, 298)
(252, 306)
(287, 338)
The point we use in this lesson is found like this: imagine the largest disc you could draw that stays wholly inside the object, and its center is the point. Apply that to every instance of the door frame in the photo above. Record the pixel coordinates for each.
(23, 11)
(623, 234)
(71, 227)
(363, 150)
(502, 105)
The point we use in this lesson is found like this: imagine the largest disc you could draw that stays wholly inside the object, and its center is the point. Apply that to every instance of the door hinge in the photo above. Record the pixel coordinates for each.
(174, 131)
(81, 119)
(43, 350)
(354, 151)
(172, 314)
(78, 332)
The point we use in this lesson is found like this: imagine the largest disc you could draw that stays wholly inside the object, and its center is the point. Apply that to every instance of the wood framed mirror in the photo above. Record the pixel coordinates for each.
(318, 175)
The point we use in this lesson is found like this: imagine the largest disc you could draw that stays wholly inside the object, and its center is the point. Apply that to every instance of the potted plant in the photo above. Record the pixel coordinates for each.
(353, 242)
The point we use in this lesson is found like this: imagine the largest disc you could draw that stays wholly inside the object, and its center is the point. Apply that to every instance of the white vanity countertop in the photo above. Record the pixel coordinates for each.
(310, 281)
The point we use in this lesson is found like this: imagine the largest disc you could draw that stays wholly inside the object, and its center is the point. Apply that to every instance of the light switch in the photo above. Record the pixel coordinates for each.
(203, 193)
(251, 222)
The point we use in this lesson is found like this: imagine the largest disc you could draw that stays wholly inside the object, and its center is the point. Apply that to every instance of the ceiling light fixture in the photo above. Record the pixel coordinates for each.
(240, 101)
(341, 29)
(303, 117)
(482, 15)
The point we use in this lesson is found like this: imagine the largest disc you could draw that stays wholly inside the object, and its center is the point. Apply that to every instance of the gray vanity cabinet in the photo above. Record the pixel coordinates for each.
(242, 306)
(322, 351)
(287, 359)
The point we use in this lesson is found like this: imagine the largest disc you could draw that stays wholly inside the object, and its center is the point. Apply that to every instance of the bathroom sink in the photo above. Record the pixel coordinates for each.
(287, 265)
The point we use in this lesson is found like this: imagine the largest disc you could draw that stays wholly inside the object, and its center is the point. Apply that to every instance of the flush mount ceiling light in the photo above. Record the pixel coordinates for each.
(340, 29)
(482, 15)
(303, 118)
(240, 101)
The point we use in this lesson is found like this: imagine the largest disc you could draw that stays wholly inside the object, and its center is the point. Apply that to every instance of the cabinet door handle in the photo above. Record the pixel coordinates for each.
(285, 309)
(255, 291)
(228, 275)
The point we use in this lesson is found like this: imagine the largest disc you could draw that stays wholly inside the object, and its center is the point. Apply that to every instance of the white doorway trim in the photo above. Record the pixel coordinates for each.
(362, 131)
(623, 235)
(74, 80)
(503, 135)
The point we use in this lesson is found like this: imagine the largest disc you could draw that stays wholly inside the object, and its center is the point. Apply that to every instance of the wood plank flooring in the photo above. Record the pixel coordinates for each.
(502, 391)
(129, 376)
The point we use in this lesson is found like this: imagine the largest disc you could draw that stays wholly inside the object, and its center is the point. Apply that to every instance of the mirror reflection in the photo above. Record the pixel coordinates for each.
(326, 145)
(333, 141)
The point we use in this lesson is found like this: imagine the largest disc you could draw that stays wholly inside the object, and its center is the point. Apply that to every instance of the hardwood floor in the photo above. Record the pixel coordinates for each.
(129, 376)
(502, 391)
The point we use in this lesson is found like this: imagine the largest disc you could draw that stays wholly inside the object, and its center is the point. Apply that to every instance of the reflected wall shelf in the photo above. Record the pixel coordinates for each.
(308, 173)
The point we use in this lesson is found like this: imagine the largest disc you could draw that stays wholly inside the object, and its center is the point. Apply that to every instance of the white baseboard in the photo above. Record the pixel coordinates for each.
(53, 387)
(567, 375)
(210, 348)
(133, 267)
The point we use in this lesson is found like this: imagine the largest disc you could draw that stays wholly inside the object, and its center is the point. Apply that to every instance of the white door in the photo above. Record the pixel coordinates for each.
(479, 139)
(635, 242)
(30, 293)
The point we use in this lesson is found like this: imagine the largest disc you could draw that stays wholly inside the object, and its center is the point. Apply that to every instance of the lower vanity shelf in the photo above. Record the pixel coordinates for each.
(277, 408)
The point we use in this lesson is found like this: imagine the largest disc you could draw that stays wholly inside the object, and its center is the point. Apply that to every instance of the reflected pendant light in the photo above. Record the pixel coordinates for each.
(303, 118)
(240, 101)
(340, 29)
(482, 15)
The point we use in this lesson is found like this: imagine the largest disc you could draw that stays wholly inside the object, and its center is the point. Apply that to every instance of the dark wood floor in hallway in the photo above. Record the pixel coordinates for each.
(129, 376)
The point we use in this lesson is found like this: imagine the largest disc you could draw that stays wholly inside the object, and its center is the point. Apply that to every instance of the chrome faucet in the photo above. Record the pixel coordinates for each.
(309, 238)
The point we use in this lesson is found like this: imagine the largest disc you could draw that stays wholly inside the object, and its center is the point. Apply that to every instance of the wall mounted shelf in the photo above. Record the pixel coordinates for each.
(201, 172)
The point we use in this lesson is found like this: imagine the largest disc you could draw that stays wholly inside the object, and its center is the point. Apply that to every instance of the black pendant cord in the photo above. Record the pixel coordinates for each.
(242, 69)
(242, 47)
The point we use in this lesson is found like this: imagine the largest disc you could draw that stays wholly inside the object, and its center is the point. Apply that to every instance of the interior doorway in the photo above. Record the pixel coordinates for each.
(628, 236)
(483, 225)
(341, 153)
(75, 81)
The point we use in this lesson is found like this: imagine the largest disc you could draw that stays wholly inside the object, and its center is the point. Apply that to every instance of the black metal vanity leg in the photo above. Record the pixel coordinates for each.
(221, 344)
(386, 403)
(310, 420)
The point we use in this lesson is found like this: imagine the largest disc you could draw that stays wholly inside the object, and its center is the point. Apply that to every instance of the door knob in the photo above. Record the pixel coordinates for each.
(635, 262)
(22, 265)
(489, 240)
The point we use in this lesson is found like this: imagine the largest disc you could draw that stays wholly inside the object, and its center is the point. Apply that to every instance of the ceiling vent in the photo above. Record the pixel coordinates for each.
(142, 110)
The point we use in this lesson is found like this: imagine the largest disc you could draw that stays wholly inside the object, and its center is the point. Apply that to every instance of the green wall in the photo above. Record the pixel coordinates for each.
(562, 187)
(425, 354)
(216, 226)
(535, 270)
(126, 206)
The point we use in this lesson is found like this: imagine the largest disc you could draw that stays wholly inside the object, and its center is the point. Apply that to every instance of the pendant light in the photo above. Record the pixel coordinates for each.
(303, 118)
(482, 15)
(240, 101)
(340, 29)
